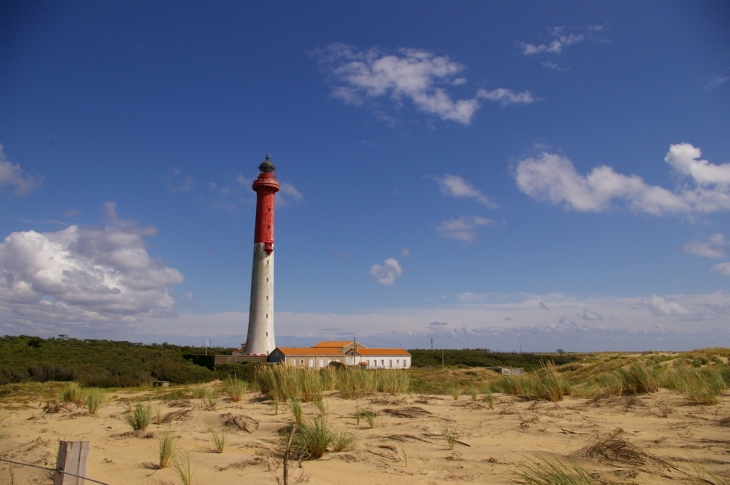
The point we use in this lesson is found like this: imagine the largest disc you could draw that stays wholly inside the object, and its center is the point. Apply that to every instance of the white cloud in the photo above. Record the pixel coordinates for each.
(176, 183)
(413, 74)
(11, 175)
(683, 157)
(553, 178)
(405, 252)
(84, 274)
(462, 228)
(503, 323)
(386, 273)
(722, 268)
(661, 307)
(714, 248)
(556, 46)
(590, 315)
(455, 186)
(717, 81)
(288, 193)
(506, 96)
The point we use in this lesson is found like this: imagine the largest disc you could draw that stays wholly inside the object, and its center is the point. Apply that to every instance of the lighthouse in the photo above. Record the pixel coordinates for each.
(260, 340)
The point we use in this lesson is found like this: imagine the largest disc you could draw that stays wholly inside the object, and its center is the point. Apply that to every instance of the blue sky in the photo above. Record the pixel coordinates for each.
(487, 174)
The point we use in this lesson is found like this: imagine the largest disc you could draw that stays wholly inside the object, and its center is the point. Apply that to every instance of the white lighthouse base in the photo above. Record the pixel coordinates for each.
(260, 340)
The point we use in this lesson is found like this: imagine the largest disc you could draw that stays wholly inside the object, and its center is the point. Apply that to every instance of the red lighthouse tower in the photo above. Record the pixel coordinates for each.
(260, 340)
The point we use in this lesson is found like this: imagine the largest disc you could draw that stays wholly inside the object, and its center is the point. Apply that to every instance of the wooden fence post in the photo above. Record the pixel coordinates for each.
(72, 458)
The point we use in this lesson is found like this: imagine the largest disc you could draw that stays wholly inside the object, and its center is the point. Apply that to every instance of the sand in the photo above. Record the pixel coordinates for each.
(669, 436)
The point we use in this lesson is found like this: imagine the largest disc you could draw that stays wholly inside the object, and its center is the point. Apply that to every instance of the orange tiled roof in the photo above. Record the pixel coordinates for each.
(292, 351)
(382, 352)
(336, 343)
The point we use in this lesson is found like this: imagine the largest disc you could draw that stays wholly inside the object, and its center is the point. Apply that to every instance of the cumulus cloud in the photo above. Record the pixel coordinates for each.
(722, 268)
(386, 274)
(455, 186)
(416, 75)
(463, 228)
(553, 178)
(662, 307)
(713, 248)
(11, 175)
(84, 275)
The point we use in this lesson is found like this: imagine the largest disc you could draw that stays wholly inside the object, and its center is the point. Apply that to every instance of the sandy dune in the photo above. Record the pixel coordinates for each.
(668, 435)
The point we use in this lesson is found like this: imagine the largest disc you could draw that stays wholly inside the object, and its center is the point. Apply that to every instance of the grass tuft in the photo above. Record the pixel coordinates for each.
(552, 469)
(314, 437)
(139, 418)
(95, 398)
(296, 409)
(182, 467)
(219, 438)
(235, 388)
(72, 393)
(168, 444)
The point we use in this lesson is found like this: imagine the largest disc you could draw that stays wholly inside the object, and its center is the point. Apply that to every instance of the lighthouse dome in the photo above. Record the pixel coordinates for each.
(266, 166)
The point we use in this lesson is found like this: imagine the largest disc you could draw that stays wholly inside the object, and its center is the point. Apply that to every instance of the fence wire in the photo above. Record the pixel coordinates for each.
(53, 470)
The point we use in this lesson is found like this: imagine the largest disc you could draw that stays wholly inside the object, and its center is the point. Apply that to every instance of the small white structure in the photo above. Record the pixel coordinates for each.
(345, 352)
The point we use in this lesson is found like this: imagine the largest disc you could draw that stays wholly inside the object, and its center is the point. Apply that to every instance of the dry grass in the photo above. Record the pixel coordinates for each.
(551, 469)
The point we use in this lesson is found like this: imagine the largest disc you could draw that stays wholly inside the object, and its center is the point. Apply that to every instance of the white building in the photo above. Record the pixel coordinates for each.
(345, 352)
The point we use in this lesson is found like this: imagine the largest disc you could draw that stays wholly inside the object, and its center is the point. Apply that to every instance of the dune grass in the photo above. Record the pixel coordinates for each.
(314, 437)
(72, 393)
(219, 438)
(182, 467)
(4, 426)
(702, 385)
(285, 382)
(168, 445)
(551, 469)
(95, 399)
(140, 417)
(295, 405)
(235, 388)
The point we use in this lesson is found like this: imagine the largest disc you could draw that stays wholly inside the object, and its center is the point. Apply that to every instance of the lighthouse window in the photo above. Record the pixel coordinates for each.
(267, 297)
(267, 334)
(269, 226)
(267, 280)
(267, 316)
